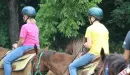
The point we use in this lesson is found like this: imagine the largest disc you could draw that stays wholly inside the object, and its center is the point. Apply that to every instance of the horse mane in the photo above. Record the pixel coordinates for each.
(115, 62)
(74, 45)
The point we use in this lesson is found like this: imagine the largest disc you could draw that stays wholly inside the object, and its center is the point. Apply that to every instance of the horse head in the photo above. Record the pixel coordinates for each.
(100, 67)
(38, 65)
(111, 64)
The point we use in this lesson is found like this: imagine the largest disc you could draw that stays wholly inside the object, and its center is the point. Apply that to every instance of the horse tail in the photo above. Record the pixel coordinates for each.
(35, 48)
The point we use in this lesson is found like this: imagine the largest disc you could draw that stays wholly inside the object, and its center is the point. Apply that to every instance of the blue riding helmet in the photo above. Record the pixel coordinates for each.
(29, 11)
(96, 12)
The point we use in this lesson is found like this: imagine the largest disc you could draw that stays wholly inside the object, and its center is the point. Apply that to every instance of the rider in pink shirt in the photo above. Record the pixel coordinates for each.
(29, 32)
(29, 36)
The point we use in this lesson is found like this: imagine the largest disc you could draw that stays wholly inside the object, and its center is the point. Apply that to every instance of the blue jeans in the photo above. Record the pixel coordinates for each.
(83, 60)
(11, 57)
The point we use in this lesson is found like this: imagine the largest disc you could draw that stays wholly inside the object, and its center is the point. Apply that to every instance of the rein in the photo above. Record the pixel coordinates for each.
(46, 57)
(73, 59)
(38, 64)
(101, 67)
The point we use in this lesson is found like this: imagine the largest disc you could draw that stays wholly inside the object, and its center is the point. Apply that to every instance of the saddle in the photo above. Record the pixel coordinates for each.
(21, 62)
(89, 69)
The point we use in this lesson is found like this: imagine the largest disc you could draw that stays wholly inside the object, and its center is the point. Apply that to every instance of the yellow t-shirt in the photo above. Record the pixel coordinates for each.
(100, 38)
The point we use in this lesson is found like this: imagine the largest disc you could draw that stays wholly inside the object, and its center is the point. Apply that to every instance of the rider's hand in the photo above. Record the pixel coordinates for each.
(15, 45)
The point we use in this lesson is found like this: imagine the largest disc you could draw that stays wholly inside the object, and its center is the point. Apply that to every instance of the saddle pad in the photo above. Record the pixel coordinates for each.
(20, 63)
(89, 68)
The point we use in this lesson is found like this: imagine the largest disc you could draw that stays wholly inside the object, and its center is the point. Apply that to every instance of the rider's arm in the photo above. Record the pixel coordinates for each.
(20, 42)
(126, 46)
(88, 43)
(23, 34)
(126, 54)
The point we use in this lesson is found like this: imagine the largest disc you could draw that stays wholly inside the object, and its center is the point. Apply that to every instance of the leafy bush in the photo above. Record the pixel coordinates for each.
(4, 38)
(116, 47)
(119, 24)
(62, 17)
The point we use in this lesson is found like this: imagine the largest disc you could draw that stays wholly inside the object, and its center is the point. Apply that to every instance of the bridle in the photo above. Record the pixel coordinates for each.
(37, 66)
(100, 68)
(45, 56)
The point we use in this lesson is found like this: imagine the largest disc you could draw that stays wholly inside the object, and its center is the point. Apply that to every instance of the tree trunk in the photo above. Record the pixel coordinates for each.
(13, 20)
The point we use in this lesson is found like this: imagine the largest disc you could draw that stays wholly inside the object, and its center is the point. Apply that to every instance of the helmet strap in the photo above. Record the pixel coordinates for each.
(25, 21)
(92, 21)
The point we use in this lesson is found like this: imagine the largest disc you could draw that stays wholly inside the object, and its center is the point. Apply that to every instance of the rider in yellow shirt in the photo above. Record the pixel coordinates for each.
(98, 34)
(97, 37)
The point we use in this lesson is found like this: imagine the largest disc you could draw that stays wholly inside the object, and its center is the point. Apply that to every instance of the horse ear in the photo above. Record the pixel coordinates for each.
(36, 49)
(102, 53)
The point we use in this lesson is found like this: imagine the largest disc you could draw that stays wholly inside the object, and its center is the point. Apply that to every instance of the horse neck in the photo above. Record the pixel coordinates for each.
(59, 62)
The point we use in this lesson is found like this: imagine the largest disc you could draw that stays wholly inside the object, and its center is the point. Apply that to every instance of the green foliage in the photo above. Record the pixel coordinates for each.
(116, 19)
(4, 38)
(114, 47)
(119, 24)
(60, 50)
(64, 17)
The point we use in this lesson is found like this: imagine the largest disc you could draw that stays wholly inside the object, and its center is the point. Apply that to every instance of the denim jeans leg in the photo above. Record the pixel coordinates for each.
(27, 48)
(8, 60)
(83, 60)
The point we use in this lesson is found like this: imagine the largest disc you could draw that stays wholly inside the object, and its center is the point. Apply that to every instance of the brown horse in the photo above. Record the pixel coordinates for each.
(74, 47)
(112, 64)
(58, 63)
(50, 60)
(25, 71)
